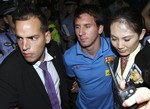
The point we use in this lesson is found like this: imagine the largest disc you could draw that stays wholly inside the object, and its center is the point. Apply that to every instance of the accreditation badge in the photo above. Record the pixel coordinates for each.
(107, 73)
(136, 74)
(109, 59)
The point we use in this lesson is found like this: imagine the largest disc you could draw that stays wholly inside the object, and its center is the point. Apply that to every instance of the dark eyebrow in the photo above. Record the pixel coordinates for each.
(17, 36)
(129, 36)
(26, 37)
(84, 24)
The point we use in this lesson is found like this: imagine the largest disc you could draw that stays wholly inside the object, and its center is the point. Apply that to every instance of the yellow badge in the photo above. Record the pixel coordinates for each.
(107, 72)
(136, 77)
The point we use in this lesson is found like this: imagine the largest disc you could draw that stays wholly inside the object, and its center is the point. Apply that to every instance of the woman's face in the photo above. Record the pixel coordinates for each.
(123, 38)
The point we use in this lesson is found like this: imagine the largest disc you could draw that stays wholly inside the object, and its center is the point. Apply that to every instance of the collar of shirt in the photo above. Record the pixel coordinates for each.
(104, 46)
(47, 58)
(51, 70)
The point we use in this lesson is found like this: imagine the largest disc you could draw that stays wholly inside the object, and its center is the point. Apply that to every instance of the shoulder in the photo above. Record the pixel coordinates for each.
(105, 39)
(105, 42)
(53, 47)
(145, 50)
(64, 21)
(2, 34)
(143, 57)
(146, 39)
(13, 66)
(55, 51)
(107, 47)
(3, 38)
(71, 51)
(13, 59)
(70, 55)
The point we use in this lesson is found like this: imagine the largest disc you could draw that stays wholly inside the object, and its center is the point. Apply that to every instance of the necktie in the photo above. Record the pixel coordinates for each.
(50, 86)
(124, 61)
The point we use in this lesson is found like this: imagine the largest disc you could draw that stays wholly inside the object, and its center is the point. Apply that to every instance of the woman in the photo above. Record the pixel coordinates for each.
(133, 63)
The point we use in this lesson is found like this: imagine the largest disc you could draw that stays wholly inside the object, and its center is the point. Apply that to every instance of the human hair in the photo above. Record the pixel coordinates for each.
(129, 16)
(26, 12)
(8, 8)
(92, 10)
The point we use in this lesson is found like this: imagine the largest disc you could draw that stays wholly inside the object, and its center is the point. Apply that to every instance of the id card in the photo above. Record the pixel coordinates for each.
(135, 74)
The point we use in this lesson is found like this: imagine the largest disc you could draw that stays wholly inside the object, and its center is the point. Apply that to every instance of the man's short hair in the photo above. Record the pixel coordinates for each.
(27, 11)
(8, 8)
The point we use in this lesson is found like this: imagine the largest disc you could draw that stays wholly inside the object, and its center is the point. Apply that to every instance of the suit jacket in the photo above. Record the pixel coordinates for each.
(21, 86)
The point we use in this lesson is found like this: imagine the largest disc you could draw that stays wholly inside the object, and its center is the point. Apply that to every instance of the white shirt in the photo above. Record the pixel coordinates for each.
(52, 72)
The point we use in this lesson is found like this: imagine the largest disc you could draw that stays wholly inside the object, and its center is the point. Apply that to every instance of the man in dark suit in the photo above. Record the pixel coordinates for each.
(22, 82)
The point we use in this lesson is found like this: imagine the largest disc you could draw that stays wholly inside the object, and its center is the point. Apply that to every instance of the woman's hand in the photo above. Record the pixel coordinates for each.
(141, 97)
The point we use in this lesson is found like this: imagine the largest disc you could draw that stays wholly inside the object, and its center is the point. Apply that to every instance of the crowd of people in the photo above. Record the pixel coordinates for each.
(48, 63)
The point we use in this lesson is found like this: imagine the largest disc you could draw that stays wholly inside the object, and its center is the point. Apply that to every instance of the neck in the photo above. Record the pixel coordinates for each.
(92, 50)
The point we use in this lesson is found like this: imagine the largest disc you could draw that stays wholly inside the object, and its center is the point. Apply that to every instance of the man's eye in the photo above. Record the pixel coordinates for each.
(33, 38)
(126, 40)
(88, 26)
(76, 27)
(19, 39)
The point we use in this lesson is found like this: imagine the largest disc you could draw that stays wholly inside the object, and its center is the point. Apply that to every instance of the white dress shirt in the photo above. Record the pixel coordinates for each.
(52, 72)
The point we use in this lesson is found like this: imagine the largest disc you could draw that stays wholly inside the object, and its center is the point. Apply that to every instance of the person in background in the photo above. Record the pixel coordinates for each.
(8, 39)
(117, 5)
(26, 75)
(133, 62)
(82, 2)
(2, 29)
(85, 61)
(51, 25)
(67, 26)
(2, 24)
(146, 15)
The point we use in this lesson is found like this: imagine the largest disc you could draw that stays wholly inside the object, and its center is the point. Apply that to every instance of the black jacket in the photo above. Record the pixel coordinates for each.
(21, 86)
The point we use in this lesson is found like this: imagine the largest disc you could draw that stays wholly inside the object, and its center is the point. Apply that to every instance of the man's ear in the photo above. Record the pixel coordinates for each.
(48, 37)
(100, 29)
(142, 34)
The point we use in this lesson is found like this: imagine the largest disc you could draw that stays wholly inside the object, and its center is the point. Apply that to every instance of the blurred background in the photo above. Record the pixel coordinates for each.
(60, 13)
